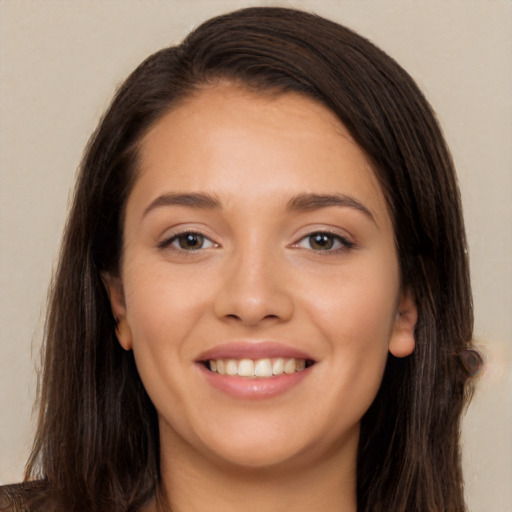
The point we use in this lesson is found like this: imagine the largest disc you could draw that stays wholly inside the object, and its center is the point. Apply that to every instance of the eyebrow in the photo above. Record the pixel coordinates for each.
(309, 202)
(192, 200)
(299, 203)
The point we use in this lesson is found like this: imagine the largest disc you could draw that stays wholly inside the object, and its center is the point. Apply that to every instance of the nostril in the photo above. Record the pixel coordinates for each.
(234, 316)
(252, 303)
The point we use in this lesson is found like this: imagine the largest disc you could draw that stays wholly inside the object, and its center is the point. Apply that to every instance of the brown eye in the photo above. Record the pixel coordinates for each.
(188, 241)
(321, 241)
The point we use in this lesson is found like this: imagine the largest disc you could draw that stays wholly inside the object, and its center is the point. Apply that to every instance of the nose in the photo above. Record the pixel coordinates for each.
(255, 288)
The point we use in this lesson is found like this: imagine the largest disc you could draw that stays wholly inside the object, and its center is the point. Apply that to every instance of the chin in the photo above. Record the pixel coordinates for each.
(279, 448)
(260, 457)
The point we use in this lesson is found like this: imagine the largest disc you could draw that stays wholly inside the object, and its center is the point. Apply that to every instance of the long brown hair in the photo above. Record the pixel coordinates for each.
(97, 439)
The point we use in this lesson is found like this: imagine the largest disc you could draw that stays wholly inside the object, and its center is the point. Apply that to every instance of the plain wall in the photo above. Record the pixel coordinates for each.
(60, 62)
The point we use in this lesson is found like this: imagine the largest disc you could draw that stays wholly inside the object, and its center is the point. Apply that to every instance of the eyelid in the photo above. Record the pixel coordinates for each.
(344, 242)
(169, 240)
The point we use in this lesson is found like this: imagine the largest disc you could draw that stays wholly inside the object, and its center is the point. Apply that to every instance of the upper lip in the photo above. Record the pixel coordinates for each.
(253, 350)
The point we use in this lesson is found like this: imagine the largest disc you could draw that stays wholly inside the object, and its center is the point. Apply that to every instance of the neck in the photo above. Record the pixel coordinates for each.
(194, 484)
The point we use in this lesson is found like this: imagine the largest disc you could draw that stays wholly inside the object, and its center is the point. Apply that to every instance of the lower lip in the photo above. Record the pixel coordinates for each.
(253, 389)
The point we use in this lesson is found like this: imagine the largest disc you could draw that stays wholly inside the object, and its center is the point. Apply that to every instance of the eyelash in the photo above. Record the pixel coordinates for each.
(169, 242)
(344, 243)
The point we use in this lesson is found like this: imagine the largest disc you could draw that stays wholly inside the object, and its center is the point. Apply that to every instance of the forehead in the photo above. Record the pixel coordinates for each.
(228, 138)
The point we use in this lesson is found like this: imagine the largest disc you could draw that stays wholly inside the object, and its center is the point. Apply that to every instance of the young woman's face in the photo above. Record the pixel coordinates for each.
(259, 283)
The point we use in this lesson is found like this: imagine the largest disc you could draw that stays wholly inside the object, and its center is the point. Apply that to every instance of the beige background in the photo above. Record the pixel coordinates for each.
(60, 61)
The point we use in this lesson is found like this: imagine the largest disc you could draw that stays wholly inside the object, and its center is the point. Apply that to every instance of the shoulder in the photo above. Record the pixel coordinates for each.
(24, 497)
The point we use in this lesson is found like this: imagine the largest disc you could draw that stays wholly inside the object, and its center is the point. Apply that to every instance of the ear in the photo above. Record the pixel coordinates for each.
(402, 340)
(115, 292)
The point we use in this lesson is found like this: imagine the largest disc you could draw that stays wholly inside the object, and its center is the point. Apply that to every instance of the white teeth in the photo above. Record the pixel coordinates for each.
(220, 367)
(289, 366)
(246, 368)
(262, 368)
(231, 367)
(278, 366)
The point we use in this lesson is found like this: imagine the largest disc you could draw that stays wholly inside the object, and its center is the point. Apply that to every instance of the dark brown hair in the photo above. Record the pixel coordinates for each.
(97, 438)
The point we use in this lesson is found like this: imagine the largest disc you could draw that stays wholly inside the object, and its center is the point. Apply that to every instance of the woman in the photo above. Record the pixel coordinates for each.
(263, 297)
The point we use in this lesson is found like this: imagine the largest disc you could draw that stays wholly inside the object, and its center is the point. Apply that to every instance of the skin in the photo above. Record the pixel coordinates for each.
(259, 278)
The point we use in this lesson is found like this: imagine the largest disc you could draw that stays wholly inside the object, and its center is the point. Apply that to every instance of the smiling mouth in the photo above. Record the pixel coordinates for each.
(258, 368)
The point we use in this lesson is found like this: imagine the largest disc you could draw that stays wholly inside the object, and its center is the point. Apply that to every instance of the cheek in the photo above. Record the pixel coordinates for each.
(357, 305)
(357, 329)
(356, 315)
(161, 306)
(162, 312)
